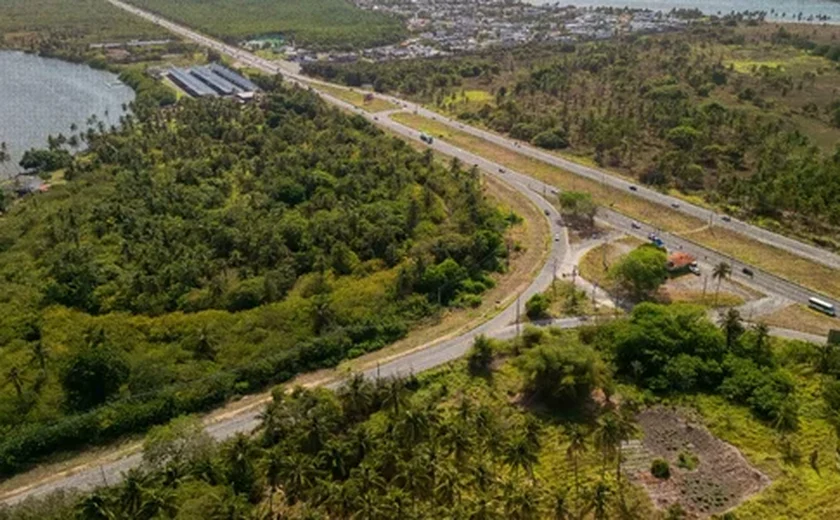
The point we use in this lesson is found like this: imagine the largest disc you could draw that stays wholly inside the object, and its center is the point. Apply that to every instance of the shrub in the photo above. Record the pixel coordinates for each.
(687, 460)
(537, 306)
(660, 469)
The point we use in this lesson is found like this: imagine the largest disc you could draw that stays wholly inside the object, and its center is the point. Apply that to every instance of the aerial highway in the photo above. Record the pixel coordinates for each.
(501, 325)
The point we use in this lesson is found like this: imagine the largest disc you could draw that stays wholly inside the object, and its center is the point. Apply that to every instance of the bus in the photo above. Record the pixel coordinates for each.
(822, 306)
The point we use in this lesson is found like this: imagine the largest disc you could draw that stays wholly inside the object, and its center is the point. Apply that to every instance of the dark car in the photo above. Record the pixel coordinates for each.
(547, 212)
(501, 170)
(675, 205)
(726, 218)
(633, 188)
(747, 271)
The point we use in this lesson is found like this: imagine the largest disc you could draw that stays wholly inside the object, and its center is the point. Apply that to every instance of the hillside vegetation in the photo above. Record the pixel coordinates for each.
(313, 23)
(534, 428)
(747, 117)
(208, 249)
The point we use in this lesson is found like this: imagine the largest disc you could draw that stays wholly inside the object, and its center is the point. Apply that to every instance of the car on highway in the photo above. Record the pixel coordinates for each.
(747, 271)
(557, 237)
(547, 212)
(635, 225)
(501, 170)
(675, 205)
(726, 218)
(633, 188)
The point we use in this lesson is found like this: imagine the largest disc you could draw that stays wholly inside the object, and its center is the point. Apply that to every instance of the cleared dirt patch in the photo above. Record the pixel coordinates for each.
(801, 318)
(721, 477)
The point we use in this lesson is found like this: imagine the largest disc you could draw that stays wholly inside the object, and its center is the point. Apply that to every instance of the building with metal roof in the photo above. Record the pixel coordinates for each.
(238, 80)
(215, 81)
(191, 84)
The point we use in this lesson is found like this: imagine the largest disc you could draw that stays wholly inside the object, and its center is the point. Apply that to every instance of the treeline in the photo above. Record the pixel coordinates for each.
(453, 443)
(667, 109)
(209, 249)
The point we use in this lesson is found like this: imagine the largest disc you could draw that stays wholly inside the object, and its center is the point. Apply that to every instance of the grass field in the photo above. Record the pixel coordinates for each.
(799, 489)
(723, 299)
(771, 259)
(83, 21)
(357, 98)
(801, 318)
(787, 265)
(313, 23)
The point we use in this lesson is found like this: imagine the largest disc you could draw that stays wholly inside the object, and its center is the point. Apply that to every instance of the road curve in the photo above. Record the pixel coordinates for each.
(768, 282)
(442, 352)
(499, 326)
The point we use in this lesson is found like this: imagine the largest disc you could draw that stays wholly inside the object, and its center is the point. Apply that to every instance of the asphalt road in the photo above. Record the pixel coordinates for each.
(444, 351)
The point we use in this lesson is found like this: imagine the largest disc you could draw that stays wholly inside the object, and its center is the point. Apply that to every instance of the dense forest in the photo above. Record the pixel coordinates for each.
(531, 428)
(208, 249)
(318, 24)
(32, 22)
(747, 117)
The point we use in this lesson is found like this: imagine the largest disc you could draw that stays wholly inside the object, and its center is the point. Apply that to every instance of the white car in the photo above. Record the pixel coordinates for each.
(694, 268)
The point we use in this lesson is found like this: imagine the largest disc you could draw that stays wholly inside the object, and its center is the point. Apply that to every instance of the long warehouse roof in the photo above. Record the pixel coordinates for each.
(233, 77)
(215, 81)
(191, 83)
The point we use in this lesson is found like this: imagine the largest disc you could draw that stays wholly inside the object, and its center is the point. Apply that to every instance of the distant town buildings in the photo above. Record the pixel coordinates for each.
(441, 27)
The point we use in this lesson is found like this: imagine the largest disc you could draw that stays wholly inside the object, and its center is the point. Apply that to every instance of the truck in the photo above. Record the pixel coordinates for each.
(426, 138)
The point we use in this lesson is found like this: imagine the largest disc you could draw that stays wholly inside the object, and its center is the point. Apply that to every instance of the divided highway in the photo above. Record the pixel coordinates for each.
(91, 476)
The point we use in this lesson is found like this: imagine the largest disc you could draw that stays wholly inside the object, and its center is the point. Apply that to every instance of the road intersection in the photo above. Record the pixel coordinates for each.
(502, 325)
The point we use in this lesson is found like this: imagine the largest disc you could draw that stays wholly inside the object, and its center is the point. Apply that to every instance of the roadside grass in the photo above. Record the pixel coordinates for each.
(357, 98)
(723, 299)
(801, 318)
(635, 207)
(777, 261)
(810, 274)
(798, 490)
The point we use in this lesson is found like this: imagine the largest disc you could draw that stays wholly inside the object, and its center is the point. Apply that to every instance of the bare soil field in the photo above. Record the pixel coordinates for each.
(720, 479)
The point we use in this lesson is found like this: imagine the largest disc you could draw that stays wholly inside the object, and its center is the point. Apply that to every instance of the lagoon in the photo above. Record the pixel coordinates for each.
(42, 96)
(791, 8)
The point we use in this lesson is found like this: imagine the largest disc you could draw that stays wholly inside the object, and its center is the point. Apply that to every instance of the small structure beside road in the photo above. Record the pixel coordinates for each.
(679, 261)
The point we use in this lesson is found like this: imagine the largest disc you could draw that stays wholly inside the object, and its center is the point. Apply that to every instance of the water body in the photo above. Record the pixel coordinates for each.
(791, 7)
(41, 97)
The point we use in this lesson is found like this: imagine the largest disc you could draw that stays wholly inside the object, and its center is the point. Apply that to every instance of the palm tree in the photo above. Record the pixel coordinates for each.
(559, 509)
(577, 446)
(600, 501)
(14, 377)
(40, 354)
(520, 454)
(607, 438)
(732, 327)
(94, 507)
(298, 473)
(272, 469)
(720, 271)
(356, 397)
(761, 342)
